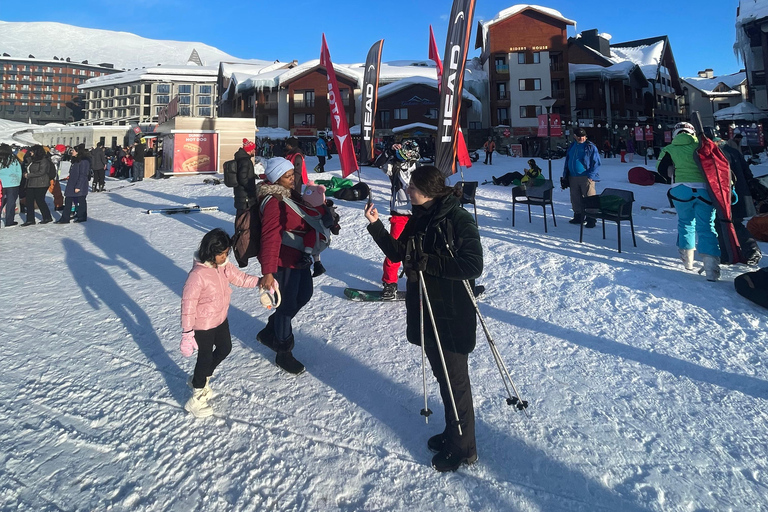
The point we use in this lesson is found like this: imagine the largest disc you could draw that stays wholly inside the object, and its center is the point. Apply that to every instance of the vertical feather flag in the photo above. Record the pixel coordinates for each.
(461, 145)
(452, 84)
(338, 116)
(369, 99)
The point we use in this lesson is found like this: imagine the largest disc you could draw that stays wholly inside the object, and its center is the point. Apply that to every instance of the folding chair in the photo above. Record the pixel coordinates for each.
(612, 204)
(536, 195)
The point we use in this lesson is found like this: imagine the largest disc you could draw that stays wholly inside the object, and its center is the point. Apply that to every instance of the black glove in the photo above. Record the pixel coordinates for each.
(415, 259)
(564, 183)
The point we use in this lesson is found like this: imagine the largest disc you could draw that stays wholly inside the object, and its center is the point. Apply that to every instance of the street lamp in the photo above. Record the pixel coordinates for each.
(547, 103)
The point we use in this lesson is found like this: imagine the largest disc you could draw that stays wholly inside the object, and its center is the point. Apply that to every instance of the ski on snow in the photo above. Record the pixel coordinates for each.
(190, 208)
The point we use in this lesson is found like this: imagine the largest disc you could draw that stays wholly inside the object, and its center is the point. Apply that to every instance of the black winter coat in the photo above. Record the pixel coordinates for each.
(98, 159)
(745, 206)
(78, 175)
(37, 173)
(245, 191)
(445, 221)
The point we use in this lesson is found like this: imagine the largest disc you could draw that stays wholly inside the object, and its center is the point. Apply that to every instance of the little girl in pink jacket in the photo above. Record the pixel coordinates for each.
(204, 307)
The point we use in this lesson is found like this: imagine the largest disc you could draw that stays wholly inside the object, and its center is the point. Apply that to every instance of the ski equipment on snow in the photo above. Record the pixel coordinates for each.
(183, 209)
(358, 295)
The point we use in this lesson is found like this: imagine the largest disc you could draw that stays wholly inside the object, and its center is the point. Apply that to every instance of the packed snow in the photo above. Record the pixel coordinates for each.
(647, 384)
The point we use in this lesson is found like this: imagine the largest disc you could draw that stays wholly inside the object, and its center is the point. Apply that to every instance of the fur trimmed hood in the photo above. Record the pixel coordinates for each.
(196, 260)
(266, 188)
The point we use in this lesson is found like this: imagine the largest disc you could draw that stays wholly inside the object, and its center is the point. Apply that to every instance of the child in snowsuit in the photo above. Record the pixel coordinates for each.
(204, 307)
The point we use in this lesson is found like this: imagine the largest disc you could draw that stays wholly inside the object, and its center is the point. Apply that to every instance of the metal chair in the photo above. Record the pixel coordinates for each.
(468, 189)
(536, 195)
(614, 205)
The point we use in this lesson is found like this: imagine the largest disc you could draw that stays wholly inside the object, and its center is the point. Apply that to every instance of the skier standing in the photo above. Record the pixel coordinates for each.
(442, 243)
(321, 149)
(204, 307)
(691, 199)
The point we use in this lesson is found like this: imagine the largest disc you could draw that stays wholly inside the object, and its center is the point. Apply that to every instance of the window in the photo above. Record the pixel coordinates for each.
(501, 65)
(475, 125)
(384, 119)
(521, 57)
(584, 91)
(163, 88)
(157, 110)
(432, 114)
(556, 62)
(528, 58)
(185, 100)
(502, 115)
(530, 84)
(204, 89)
(184, 111)
(401, 113)
(527, 111)
(309, 120)
(204, 111)
(536, 57)
(204, 100)
(501, 91)
(160, 99)
(185, 89)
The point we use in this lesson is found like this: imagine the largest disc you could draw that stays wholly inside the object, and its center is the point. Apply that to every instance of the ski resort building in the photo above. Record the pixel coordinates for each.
(41, 91)
(708, 94)
(752, 47)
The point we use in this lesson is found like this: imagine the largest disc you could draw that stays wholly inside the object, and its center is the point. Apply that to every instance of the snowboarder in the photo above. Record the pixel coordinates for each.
(695, 212)
(204, 307)
(442, 229)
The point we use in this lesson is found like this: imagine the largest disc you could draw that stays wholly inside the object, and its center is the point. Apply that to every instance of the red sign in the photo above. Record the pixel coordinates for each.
(667, 137)
(648, 133)
(638, 133)
(136, 130)
(555, 128)
(304, 131)
(506, 132)
(195, 152)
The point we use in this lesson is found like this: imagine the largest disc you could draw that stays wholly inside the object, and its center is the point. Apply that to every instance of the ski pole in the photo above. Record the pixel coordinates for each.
(425, 411)
(503, 371)
(440, 349)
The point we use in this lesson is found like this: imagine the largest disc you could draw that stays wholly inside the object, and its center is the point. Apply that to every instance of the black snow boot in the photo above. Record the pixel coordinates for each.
(318, 269)
(447, 461)
(436, 443)
(389, 292)
(266, 336)
(578, 218)
(590, 222)
(287, 362)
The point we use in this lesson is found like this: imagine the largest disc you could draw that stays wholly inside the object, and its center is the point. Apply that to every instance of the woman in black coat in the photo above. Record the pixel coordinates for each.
(449, 252)
(77, 185)
(38, 177)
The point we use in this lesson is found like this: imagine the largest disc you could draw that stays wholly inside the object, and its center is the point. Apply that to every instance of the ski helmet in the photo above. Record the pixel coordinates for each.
(683, 128)
(409, 151)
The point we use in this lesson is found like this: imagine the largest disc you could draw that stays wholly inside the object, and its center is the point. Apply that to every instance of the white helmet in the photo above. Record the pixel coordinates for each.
(683, 128)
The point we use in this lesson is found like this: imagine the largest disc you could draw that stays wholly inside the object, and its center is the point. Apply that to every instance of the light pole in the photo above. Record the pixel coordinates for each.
(547, 103)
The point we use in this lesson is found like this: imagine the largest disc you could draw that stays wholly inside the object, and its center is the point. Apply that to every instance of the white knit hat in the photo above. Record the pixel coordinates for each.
(276, 167)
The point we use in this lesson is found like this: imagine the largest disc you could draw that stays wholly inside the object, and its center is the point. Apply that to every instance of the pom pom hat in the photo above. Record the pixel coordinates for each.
(248, 146)
(276, 167)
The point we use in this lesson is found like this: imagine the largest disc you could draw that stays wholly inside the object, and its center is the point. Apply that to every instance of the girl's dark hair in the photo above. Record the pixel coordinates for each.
(430, 181)
(213, 243)
(6, 156)
(38, 153)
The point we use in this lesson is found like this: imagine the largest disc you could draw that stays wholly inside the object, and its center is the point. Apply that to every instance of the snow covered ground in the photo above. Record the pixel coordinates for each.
(647, 383)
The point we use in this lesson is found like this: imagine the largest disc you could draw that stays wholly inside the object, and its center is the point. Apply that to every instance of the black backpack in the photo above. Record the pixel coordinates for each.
(230, 173)
(51, 169)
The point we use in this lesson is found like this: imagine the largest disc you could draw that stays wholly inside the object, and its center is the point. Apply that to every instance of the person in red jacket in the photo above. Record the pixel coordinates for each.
(286, 220)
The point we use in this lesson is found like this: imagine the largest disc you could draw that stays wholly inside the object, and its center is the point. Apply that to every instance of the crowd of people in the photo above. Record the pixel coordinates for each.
(29, 174)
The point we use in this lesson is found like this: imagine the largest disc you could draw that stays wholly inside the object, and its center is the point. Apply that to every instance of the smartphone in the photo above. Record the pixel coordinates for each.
(370, 200)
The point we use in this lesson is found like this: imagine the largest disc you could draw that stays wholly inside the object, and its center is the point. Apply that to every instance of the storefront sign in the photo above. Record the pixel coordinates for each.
(638, 133)
(195, 152)
(304, 131)
(667, 137)
(555, 129)
(648, 133)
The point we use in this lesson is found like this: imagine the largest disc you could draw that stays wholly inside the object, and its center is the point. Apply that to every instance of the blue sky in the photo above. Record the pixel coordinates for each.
(702, 33)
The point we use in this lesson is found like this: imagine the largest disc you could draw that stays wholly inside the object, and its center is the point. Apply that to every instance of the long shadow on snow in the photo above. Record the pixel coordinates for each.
(89, 272)
(742, 383)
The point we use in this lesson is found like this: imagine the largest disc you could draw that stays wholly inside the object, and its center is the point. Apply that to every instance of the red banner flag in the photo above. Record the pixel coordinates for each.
(338, 116)
(461, 151)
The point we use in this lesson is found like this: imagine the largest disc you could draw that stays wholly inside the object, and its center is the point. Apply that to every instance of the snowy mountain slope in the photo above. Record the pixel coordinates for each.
(648, 385)
(123, 49)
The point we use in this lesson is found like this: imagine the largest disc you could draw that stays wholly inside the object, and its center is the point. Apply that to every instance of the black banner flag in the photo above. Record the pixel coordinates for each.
(368, 100)
(452, 85)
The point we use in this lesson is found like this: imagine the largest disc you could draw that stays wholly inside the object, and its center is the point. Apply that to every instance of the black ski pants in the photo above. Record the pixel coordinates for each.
(458, 371)
(488, 157)
(208, 357)
(37, 195)
(295, 291)
(98, 179)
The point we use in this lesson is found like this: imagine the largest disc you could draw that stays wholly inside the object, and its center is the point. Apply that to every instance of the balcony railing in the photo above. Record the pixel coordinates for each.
(502, 69)
(556, 67)
(304, 103)
(502, 95)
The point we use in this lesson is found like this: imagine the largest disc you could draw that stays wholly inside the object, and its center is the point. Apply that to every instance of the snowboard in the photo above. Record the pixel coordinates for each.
(370, 295)
(183, 209)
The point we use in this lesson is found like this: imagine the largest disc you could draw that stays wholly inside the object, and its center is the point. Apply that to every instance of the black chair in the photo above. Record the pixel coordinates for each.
(468, 189)
(536, 195)
(614, 205)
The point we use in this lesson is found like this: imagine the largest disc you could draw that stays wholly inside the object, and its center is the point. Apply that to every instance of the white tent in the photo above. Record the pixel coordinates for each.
(744, 111)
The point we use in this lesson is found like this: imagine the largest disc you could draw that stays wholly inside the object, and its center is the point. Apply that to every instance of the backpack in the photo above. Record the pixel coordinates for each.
(51, 169)
(230, 173)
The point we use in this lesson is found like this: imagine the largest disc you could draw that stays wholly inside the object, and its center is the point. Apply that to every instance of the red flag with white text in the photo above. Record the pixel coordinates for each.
(461, 150)
(338, 116)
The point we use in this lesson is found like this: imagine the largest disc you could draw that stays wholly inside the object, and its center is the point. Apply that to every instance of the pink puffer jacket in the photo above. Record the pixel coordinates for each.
(205, 299)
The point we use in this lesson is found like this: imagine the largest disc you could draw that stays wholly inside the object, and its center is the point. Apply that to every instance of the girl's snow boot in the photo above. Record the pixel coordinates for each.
(711, 267)
(687, 256)
(198, 404)
(207, 388)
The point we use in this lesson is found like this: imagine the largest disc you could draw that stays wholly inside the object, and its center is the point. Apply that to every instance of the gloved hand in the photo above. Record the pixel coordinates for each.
(188, 343)
(564, 183)
(415, 259)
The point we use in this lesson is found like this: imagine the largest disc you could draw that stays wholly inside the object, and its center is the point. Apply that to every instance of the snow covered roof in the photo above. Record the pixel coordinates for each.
(516, 9)
(227, 69)
(13, 132)
(744, 111)
(618, 70)
(413, 126)
(341, 69)
(647, 56)
(394, 87)
(751, 10)
(733, 81)
(157, 74)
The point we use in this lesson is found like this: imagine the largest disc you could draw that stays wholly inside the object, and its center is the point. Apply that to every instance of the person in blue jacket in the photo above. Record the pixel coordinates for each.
(10, 177)
(321, 148)
(580, 172)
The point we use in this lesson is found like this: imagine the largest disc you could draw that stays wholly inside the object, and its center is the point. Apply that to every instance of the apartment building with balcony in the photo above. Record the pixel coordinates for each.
(524, 52)
(138, 96)
(45, 90)
(752, 47)
(707, 93)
